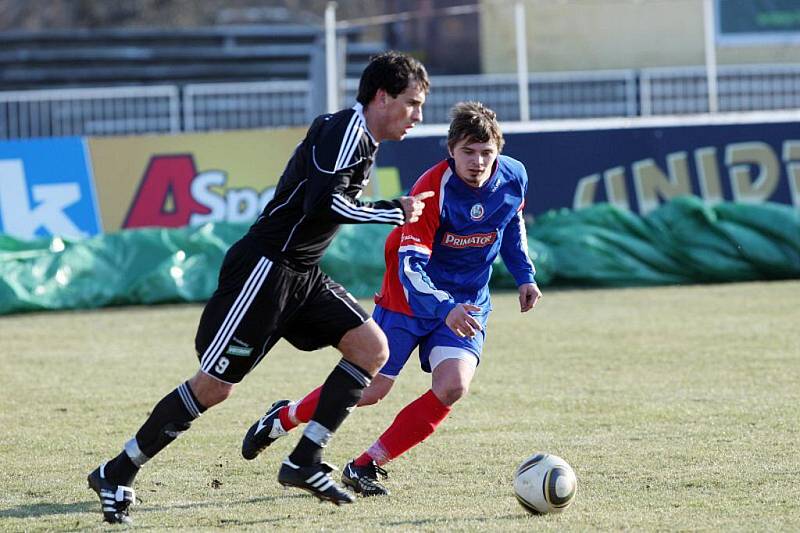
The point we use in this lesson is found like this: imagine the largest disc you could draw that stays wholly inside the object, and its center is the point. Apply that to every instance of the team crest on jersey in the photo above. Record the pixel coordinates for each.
(476, 240)
(476, 213)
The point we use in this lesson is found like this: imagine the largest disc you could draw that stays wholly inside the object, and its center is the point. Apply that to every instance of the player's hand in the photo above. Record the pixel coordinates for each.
(461, 322)
(413, 205)
(529, 295)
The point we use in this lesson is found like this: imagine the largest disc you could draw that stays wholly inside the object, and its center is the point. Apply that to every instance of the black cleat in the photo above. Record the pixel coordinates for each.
(314, 479)
(114, 499)
(267, 430)
(364, 479)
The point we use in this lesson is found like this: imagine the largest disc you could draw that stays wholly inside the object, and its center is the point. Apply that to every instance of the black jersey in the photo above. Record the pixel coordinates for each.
(319, 190)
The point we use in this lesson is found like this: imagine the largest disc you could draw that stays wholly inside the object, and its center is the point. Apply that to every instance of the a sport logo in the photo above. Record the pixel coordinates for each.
(476, 240)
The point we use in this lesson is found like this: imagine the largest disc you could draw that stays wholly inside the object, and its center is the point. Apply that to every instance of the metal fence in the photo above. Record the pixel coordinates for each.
(552, 96)
(666, 91)
(222, 106)
(100, 111)
(225, 106)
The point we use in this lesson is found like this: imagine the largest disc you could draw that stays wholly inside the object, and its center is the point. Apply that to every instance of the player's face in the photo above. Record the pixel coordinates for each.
(474, 161)
(400, 113)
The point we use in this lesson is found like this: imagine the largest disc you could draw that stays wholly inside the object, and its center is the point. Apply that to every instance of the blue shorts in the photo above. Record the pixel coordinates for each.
(406, 333)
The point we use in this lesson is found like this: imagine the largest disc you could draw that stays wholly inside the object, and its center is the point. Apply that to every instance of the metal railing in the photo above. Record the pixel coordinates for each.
(552, 95)
(666, 91)
(97, 111)
(223, 106)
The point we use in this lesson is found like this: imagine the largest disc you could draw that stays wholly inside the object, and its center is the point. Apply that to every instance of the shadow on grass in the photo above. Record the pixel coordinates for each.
(46, 509)
(433, 521)
(54, 509)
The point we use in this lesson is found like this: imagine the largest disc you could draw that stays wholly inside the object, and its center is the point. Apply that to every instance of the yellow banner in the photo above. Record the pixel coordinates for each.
(190, 179)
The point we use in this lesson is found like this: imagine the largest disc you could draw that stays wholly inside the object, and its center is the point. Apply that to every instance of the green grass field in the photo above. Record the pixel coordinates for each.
(678, 408)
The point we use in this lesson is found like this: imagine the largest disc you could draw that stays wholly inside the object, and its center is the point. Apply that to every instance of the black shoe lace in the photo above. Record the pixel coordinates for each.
(369, 479)
(383, 473)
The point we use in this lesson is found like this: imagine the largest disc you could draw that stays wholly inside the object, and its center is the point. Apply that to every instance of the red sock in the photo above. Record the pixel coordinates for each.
(301, 411)
(413, 424)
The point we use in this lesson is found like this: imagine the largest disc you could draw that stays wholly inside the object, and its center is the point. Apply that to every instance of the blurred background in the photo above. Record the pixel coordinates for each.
(182, 113)
(150, 62)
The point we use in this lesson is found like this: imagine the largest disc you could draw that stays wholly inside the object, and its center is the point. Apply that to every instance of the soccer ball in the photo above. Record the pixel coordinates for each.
(545, 483)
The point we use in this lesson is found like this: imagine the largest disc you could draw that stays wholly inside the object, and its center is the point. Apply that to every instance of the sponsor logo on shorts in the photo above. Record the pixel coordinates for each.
(242, 351)
(476, 240)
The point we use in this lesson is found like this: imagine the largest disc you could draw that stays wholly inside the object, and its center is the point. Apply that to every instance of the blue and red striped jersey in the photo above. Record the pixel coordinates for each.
(446, 257)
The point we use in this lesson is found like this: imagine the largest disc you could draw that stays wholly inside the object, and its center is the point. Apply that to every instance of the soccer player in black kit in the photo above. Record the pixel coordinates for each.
(271, 287)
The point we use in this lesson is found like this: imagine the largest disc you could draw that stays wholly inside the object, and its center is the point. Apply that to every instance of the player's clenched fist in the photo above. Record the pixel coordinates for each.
(413, 205)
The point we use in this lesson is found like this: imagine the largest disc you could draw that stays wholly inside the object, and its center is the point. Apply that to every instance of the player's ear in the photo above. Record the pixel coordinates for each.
(380, 97)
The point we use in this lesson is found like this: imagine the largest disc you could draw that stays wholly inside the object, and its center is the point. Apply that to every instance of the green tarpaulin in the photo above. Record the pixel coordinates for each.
(684, 241)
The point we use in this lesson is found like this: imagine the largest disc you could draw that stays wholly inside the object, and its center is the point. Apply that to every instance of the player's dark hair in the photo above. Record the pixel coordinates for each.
(474, 122)
(392, 72)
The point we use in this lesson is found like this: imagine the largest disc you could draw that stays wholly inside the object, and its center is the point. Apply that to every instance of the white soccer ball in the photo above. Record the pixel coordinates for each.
(545, 483)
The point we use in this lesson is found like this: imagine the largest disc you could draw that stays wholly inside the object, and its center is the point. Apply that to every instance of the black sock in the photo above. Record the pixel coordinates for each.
(121, 469)
(170, 417)
(339, 394)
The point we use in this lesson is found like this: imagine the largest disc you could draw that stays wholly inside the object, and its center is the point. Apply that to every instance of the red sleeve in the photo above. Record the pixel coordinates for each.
(420, 233)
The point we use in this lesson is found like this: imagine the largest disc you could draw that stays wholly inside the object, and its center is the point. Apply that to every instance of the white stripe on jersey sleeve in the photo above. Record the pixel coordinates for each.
(364, 213)
(424, 250)
(359, 131)
(350, 139)
(523, 235)
(419, 283)
(445, 179)
(363, 217)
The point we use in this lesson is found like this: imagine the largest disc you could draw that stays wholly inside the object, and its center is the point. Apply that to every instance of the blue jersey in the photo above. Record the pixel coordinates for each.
(446, 257)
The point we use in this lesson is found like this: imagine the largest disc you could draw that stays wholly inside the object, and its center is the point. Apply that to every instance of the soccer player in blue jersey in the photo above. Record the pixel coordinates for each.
(435, 294)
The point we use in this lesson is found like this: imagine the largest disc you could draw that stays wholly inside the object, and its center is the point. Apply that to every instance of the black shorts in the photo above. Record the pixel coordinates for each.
(258, 301)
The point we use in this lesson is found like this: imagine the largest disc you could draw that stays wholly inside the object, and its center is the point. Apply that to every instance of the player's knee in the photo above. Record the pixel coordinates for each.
(368, 399)
(366, 346)
(377, 349)
(383, 351)
(452, 392)
(215, 396)
(376, 391)
(210, 391)
(371, 397)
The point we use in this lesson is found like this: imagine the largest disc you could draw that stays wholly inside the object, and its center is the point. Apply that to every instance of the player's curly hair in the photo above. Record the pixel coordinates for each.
(476, 123)
(392, 72)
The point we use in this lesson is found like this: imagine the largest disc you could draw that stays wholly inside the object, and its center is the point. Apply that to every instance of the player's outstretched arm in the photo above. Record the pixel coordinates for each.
(413, 205)
(529, 296)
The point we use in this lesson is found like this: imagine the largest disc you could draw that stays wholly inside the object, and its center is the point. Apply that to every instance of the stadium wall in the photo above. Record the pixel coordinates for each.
(622, 34)
(82, 186)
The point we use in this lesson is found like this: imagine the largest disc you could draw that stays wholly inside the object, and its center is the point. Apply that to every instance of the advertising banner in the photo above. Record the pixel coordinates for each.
(46, 189)
(180, 180)
(73, 187)
(637, 168)
(758, 20)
